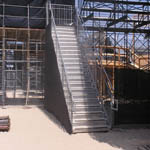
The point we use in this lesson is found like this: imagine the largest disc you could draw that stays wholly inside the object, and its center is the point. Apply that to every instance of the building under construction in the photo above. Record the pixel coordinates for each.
(86, 61)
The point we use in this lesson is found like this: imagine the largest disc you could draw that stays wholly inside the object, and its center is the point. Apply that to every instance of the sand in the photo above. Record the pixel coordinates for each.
(35, 129)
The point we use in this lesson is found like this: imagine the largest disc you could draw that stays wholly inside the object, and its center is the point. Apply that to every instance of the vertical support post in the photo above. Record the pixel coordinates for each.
(115, 44)
(3, 70)
(28, 60)
(101, 74)
(148, 41)
(3, 59)
(133, 47)
(119, 56)
(47, 12)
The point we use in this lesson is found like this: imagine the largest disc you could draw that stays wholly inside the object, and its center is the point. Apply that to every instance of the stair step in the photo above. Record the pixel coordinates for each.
(65, 36)
(83, 101)
(90, 128)
(71, 56)
(81, 95)
(78, 75)
(71, 52)
(89, 122)
(69, 48)
(79, 79)
(82, 89)
(76, 70)
(62, 31)
(87, 112)
(66, 28)
(62, 43)
(81, 86)
(74, 64)
(89, 116)
(84, 96)
(86, 104)
(88, 109)
(89, 100)
(90, 119)
(67, 39)
(72, 60)
(74, 67)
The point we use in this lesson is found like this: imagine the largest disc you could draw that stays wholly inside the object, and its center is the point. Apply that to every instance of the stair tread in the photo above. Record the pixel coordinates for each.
(86, 105)
(89, 123)
(85, 99)
(87, 112)
(90, 126)
(94, 116)
(90, 119)
(96, 108)
(87, 130)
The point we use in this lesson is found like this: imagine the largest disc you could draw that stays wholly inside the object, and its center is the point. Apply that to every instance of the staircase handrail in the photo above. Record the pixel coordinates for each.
(92, 46)
(62, 61)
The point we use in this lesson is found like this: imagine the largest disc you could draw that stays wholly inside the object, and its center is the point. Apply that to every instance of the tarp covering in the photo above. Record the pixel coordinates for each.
(37, 2)
(34, 23)
(132, 84)
(16, 13)
(65, 2)
(132, 91)
(1, 10)
(1, 21)
(24, 2)
(16, 22)
(37, 13)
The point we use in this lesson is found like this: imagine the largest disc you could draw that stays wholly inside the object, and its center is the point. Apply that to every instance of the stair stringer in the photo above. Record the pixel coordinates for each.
(54, 95)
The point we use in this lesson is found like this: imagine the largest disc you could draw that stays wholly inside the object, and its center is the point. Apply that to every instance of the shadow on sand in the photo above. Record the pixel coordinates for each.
(52, 118)
(125, 137)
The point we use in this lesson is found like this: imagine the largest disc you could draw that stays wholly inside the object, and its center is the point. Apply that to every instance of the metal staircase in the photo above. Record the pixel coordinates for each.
(87, 113)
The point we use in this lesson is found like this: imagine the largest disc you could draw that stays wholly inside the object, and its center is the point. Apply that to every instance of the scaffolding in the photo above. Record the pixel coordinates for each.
(21, 61)
(125, 23)
(120, 36)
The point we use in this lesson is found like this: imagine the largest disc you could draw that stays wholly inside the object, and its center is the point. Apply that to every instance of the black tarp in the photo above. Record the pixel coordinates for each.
(132, 84)
(1, 10)
(16, 22)
(65, 2)
(16, 11)
(1, 21)
(17, 2)
(133, 113)
(37, 3)
(132, 91)
(37, 13)
(40, 23)
(16, 14)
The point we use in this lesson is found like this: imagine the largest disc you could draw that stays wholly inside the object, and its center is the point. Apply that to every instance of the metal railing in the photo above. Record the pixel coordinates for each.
(60, 61)
(63, 14)
(92, 57)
